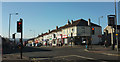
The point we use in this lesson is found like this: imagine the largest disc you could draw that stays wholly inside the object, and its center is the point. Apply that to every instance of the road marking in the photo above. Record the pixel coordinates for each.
(83, 57)
(63, 57)
(102, 53)
(111, 54)
(40, 58)
(76, 56)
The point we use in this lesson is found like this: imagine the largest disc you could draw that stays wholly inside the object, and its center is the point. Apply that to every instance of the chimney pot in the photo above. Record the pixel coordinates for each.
(56, 27)
(49, 31)
(89, 22)
(71, 21)
(68, 22)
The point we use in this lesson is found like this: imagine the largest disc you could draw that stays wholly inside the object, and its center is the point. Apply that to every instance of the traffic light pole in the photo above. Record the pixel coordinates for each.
(20, 30)
(21, 39)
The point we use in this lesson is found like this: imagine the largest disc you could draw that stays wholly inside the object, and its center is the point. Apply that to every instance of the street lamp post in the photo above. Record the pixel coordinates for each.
(99, 25)
(10, 22)
(99, 19)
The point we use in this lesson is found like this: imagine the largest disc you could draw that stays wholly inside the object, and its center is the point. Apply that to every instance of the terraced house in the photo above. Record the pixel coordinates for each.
(74, 32)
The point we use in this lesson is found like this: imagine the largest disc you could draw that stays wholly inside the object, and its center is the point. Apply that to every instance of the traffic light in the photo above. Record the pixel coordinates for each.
(13, 36)
(19, 26)
(93, 31)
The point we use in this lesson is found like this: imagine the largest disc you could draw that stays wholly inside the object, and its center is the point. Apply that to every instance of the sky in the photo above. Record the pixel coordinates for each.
(59, 0)
(39, 17)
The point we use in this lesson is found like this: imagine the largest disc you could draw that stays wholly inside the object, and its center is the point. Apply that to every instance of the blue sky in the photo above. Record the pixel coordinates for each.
(42, 16)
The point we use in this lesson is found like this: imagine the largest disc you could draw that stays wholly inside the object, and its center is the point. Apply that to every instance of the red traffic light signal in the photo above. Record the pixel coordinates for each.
(19, 26)
(93, 29)
(20, 23)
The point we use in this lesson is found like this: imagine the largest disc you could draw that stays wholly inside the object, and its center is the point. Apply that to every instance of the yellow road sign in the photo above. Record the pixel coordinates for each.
(116, 34)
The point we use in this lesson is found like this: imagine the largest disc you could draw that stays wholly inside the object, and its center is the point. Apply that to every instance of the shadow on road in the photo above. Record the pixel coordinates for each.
(25, 49)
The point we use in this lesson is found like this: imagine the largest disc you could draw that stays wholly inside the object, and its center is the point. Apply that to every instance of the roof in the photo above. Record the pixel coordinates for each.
(80, 22)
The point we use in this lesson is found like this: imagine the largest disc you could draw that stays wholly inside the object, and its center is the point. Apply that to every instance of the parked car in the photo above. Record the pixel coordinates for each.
(84, 42)
(39, 44)
(28, 44)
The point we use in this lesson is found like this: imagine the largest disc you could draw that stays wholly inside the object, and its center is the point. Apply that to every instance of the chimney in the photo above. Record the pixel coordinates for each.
(41, 33)
(71, 21)
(68, 22)
(49, 31)
(89, 22)
(56, 27)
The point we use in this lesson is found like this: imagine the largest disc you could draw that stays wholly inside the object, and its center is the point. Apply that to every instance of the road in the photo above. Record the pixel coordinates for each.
(73, 54)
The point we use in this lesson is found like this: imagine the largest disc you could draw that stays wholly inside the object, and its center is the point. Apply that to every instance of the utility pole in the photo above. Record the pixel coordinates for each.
(99, 25)
(116, 26)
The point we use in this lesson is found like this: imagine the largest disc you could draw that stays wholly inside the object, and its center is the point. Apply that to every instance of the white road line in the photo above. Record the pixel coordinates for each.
(40, 58)
(110, 54)
(83, 57)
(103, 53)
(76, 56)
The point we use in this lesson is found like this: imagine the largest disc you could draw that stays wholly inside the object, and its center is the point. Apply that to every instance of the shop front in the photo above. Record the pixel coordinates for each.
(65, 40)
